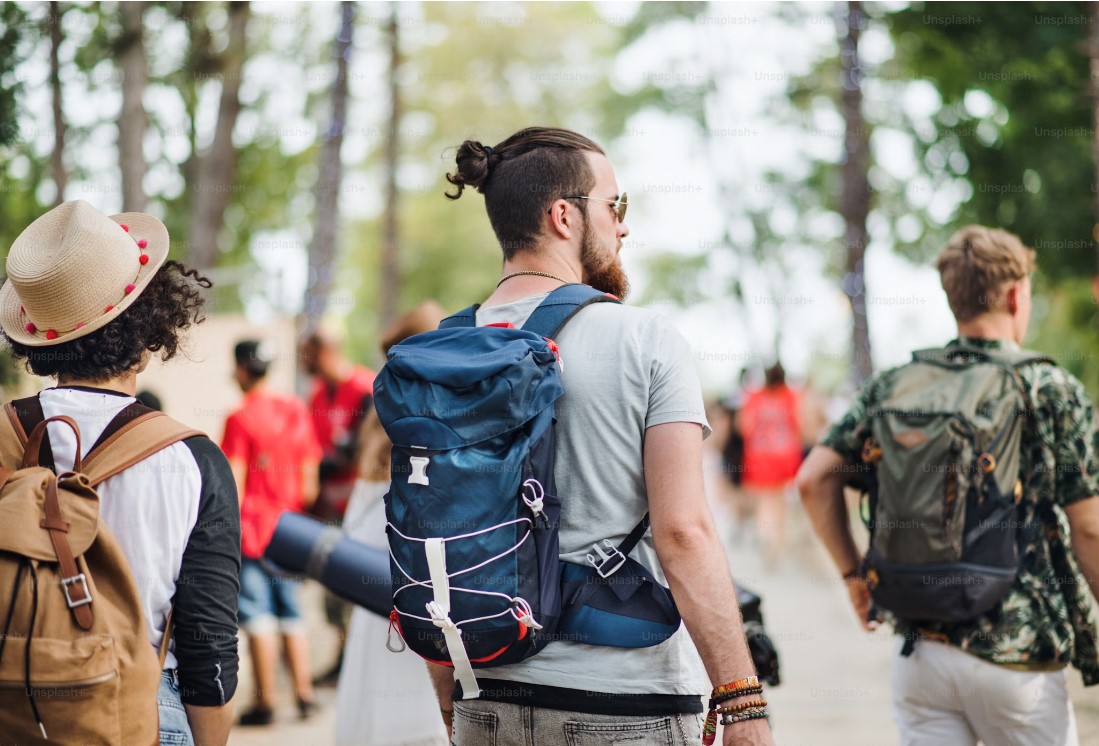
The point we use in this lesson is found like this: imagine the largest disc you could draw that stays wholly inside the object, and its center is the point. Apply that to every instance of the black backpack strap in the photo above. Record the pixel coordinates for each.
(562, 304)
(126, 415)
(960, 355)
(465, 317)
(634, 536)
(607, 563)
(30, 414)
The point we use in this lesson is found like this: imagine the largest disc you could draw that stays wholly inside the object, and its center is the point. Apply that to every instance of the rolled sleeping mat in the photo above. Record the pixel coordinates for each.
(353, 571)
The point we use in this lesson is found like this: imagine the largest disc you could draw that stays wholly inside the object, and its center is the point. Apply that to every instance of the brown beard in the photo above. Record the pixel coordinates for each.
(602, 274)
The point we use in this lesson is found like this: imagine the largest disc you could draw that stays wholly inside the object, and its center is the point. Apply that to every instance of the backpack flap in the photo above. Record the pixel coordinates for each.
(22, 509)
(455, 387)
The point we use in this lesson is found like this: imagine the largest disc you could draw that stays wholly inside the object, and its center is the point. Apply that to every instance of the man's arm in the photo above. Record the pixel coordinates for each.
(311, 485)
(694, 561)
(820, 481)
(240, 474)
(1083, 518)
(210, 725)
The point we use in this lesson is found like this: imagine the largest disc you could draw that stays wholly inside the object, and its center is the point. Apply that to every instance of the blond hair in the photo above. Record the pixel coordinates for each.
(976, 267)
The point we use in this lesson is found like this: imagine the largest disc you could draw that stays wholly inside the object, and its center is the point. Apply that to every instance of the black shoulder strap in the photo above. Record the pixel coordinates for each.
(954, 356)
(30, 414)
(551, 315)
(465, 317)
(29, 411)
(634, 536)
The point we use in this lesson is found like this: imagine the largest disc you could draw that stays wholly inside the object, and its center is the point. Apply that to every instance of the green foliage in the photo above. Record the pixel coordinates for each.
(1027, 153)
(12, 22)
(1016, 120)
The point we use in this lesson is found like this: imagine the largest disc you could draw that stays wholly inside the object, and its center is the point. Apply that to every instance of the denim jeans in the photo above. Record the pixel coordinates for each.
(479, 723)
(174, 728)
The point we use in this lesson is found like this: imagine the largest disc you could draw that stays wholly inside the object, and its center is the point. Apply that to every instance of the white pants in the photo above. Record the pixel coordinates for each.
(943, 696)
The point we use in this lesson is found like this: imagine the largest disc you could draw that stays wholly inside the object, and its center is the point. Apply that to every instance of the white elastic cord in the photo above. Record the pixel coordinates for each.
(537, 491)
(439, 609)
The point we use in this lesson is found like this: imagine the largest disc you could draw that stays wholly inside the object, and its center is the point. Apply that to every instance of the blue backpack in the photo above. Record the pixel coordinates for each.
(473, 509)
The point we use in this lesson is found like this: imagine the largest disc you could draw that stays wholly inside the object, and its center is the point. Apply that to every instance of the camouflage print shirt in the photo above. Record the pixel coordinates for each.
(1047, 617)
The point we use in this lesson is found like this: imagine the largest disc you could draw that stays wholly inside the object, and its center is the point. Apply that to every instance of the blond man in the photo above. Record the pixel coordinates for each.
(998, 678)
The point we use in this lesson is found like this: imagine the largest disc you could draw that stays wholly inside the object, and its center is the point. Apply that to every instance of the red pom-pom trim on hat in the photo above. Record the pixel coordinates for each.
(79, 326)
(142, 243)
(109, 309)
(130, 288)
(31, 328)
(22, 310)
(144, 258)
(51, 334)
(124, 227)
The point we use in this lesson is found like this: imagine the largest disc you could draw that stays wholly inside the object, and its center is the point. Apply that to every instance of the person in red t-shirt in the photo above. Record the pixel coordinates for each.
(769, 422)
(342, 395)
(274, 454)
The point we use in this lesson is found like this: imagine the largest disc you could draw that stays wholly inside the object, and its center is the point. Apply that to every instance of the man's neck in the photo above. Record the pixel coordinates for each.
(338, 374)
(124, 384)
(524, 286)
(999, 327)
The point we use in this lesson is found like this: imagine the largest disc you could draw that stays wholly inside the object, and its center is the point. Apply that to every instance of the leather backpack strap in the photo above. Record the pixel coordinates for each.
(167, 639)
(132, 442)
(74, 584)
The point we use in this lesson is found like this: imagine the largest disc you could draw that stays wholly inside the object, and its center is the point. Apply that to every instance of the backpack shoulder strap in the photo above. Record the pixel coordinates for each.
(561, 305)
(24, 415)
(136, 433)
(962, 355)
(465, 317)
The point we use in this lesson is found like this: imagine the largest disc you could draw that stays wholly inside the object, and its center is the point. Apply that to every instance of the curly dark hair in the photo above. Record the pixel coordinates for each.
(156, 322)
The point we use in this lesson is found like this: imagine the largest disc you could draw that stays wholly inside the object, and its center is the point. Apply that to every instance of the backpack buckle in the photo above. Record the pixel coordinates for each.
(78, 578)
(607, 564)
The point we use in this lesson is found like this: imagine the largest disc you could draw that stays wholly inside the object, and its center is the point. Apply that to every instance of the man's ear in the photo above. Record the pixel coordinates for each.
(1011, 297)
(560, 221)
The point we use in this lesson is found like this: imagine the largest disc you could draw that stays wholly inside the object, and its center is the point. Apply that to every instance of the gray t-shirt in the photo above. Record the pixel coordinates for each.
(625, 369)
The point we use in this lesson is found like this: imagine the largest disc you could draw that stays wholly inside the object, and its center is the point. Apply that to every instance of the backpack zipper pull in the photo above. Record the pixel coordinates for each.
(389, 635)
(556, 352)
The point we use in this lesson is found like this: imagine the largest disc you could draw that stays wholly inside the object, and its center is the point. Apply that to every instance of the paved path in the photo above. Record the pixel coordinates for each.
(835, 689)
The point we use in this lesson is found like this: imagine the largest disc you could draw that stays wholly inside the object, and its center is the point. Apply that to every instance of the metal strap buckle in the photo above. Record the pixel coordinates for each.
(78, 578)
(607, 564)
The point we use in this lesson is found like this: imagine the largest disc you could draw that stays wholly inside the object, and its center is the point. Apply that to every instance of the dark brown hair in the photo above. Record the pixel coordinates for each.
(522, 176)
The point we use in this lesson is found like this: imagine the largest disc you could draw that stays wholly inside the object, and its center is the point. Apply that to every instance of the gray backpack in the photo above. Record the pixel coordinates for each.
(944, 500)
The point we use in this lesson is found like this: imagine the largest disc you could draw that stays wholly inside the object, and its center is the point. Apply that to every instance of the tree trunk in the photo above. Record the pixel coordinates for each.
(855, 197)
(215, 170)
(323, 248)
(57, 159)
(390, 274)
(1093, 53)
(132, 121)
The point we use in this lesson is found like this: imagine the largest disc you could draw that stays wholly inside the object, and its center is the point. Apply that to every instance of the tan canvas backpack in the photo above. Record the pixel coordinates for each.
(76, 666)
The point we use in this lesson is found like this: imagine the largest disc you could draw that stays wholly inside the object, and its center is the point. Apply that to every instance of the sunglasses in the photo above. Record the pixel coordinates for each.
(618, 206)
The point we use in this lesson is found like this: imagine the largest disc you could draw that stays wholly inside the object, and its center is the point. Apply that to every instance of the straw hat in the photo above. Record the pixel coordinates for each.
(74, 270)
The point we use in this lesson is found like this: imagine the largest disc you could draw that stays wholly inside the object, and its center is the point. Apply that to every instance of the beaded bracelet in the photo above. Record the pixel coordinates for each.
(749, 686)
(754, 703)
(753, 692)
(740, 718)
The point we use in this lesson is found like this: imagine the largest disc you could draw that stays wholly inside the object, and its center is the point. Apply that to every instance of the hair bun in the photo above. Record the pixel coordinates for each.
(474, 162)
